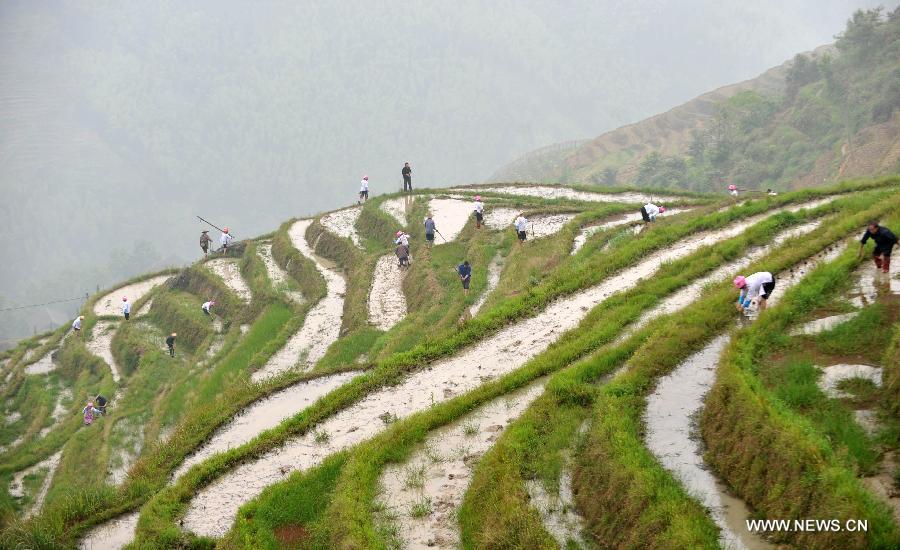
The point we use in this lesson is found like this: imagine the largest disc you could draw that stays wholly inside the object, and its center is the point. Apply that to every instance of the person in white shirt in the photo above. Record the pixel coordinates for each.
(403, 240)
(521, 224)
(206, 305)
(649, 211)
(225, 239)
(479, 211)
(759, 285)
(126, 307)
(363, 190)
(76, 325)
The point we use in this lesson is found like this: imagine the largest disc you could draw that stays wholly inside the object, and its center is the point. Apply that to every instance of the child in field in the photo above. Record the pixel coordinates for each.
(363, 190)
(76, 325)
(89, 412)
(126, 307)
(225, 239)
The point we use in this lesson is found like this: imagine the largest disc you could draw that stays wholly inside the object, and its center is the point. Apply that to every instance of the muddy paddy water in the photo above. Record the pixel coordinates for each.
(47, 468)
(230, 273)
(397, 208)
(432, 483)
(277, 276)
(100, 344)
(42, 366)
(111, 304)
(323, 322)
(112, 535)
(387, 303)
(586, 232)
(343, 223)
(553, 192)
(495, 268)
(213, 508)
(673, 435)
(263, 415)
(450, 216)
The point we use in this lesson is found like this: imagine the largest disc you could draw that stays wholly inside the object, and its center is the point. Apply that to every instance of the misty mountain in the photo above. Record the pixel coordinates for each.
(121, 121)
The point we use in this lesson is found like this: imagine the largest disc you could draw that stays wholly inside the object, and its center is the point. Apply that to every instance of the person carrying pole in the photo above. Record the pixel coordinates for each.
(205, 241)
(430, 228)
(407, 177)
(479, 211)
(170, 343)
(884, 244)
(126, 307)
(465, 275)
(649, 212)
(76, 325)
(521, 225)
(225, 240)
(363, 190)
(759, 285)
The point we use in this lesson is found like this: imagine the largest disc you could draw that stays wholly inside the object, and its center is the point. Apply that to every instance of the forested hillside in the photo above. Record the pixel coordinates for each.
(824, 116)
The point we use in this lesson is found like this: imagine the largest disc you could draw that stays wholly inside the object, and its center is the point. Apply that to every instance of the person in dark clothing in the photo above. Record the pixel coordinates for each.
(402, 253)
(465, 275)
(407, 177)
(101, 403)
(170, 341)
(884, 245)
(205, 242)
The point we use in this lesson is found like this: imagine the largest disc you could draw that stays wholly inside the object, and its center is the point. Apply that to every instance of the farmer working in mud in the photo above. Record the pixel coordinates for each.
(170, 343)
(521, 225)
(649, 211)
(205, 241)
(430, 228)
(402, 253)
(465, 275)
(407, 177)
(479, 211)
(759, 285)
(403, 240)
(884, 244)
(206, 305)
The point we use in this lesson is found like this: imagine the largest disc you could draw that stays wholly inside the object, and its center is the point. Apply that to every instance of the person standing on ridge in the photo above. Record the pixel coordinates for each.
(402, 253)
(649, 211)
(170, 342)
(403, 240)
(884, 245)
(465, 275)
(407, 177)
(363, 190)
(76, 325)
(430, 228)
(479, 211)
(205, 241)
(521, 225)
(126, 307)
(225, 239)
(759, 285)
(206, 305)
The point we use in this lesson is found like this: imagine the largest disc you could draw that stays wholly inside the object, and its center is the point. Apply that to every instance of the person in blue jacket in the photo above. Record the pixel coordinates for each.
(465, 275)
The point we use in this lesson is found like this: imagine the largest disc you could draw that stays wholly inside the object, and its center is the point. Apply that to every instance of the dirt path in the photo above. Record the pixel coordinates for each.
(323, 322)
(111, 535)
(17, 485)
(343, 223)
(832, 375)
(213, 508)
(495, 268)
(111, 304)
(100, 345)
(424, 493)
(387, 303)
(277, 276)
(450, 216)
(263, 415)
(230, 273)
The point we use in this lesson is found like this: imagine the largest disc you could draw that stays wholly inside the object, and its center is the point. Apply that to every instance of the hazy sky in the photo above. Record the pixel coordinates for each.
(122, 120)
